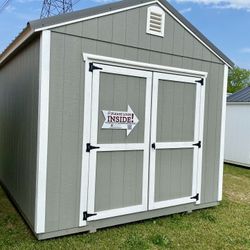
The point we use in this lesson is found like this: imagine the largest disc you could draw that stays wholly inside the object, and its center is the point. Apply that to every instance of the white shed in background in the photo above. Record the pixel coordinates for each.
(237, 142)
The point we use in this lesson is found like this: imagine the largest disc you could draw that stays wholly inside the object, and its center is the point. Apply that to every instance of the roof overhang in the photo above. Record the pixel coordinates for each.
(108, 9)
(24, 36)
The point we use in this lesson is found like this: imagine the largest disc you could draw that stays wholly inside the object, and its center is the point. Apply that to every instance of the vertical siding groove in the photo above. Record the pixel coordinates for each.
(61, 195)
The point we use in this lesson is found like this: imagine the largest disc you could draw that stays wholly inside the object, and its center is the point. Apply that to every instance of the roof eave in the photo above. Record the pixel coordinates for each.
(17, 42)
(238, 103)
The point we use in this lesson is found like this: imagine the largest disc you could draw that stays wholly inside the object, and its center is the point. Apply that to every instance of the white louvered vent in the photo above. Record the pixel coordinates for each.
(156, 21)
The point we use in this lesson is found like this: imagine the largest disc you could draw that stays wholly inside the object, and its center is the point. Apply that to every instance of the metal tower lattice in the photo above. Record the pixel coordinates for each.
(55, 7)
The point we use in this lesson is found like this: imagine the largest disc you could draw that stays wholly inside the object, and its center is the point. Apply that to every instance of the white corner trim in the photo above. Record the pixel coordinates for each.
(201, 138)
(222, 136)
(42, 136)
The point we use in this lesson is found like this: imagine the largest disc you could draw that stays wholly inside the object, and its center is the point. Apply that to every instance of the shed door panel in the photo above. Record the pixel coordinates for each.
(176, 111)
(118, 168)
(116, 92)
(118, 180)
(173, 174)
(175, 131)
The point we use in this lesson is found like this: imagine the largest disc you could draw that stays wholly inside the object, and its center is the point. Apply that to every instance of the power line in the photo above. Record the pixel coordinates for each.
(56, 7)
(4, 5)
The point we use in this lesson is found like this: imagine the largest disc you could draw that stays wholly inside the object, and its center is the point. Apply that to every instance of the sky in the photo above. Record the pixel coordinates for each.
(226, 23)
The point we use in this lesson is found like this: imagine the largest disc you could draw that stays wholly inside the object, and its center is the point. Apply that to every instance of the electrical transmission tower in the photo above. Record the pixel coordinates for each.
(55, 7)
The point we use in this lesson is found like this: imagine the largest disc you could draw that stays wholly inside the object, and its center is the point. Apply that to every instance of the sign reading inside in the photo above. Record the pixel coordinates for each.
(120, 120)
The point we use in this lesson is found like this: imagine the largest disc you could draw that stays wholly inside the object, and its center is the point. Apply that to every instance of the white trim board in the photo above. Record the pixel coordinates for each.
(86, 139)
(42, 137)
(201, 137)
(222, 134)
(143, 66)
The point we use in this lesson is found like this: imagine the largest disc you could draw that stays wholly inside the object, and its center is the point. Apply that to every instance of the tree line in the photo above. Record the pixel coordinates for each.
(238, 79)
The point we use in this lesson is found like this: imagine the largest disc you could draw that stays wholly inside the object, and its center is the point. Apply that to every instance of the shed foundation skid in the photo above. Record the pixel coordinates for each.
(94, 226)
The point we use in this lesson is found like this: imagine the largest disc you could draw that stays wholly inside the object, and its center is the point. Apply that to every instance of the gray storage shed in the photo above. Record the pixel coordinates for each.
(111, 115)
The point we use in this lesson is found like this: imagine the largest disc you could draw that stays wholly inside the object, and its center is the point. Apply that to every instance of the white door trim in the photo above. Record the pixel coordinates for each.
(121, 147)
(117, 147)
(162, 145)
(86, 139)
(197, 154)
(87, 117)
(143, 66)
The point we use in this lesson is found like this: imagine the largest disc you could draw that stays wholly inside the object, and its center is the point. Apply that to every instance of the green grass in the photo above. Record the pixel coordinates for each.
(224, 227)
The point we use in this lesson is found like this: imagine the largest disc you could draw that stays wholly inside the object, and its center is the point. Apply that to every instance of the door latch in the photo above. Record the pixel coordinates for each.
(153, 146)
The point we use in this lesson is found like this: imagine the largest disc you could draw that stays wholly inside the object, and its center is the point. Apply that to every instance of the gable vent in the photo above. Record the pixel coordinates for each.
(155, 21)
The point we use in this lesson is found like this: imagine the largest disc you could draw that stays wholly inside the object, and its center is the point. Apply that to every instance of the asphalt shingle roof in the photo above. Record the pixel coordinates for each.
(240, 96)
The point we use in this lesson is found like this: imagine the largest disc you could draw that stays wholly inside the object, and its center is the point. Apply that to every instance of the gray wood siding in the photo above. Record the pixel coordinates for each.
(19, 83)
(129, 28)
(65, 133)
(125, 38)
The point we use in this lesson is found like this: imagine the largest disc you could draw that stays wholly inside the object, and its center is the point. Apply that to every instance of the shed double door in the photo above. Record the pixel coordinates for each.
(153, 162)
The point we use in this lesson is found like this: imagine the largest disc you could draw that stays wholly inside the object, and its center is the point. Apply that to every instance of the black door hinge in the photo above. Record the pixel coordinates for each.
(201, 81)
(198, 144)
(89, 147)
(196, 197)
(153, 146)
(92, 67)
(86, 215)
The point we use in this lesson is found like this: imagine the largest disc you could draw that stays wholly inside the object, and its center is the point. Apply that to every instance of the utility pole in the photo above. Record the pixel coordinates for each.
(55, 7)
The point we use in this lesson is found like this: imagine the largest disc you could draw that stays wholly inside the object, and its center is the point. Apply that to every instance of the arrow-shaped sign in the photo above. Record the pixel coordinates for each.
(120, 120)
